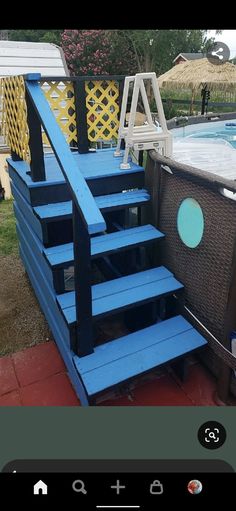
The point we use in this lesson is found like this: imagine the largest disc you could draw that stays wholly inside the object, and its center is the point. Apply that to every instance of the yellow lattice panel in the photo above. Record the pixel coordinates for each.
(102, 109)
(14, 116)
(60, 96)
(2, 120)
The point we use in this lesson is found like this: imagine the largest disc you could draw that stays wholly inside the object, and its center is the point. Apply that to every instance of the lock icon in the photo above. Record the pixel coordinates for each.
(156, 488)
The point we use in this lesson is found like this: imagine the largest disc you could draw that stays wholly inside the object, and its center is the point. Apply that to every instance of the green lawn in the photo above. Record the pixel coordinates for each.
(8, 238)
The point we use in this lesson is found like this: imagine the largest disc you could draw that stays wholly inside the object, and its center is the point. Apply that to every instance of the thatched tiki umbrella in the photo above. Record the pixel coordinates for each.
(200, 74)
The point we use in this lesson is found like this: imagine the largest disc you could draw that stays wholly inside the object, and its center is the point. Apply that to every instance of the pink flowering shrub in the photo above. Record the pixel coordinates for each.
(95, 52)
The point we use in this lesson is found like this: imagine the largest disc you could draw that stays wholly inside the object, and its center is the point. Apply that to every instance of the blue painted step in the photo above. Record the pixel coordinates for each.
(136, 353)
(106, 203)
(62, 256)
(123, 293)
(100, 169)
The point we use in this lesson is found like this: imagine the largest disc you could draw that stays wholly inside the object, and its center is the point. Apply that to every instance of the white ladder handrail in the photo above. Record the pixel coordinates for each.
(152, 137)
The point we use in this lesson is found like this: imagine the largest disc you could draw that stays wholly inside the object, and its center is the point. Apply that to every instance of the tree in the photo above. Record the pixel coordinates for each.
(155, 50)
(94, 52)
(37, 36)
(122, 57)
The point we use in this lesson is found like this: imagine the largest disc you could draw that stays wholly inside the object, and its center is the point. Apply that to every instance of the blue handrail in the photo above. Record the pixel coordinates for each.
(83, 198)
(87, 218)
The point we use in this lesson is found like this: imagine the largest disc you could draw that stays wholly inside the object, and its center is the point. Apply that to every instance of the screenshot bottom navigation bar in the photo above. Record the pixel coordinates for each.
(117, 490)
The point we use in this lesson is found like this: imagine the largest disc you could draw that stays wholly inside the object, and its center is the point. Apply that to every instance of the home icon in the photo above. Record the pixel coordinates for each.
(40, 488)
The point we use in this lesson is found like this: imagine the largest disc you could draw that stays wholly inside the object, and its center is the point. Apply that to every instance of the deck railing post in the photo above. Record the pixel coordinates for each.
(70, 94)
(82, 277)
(15, 156)
(37, 166)
(151, 213)
(81, 116)
(121, 90)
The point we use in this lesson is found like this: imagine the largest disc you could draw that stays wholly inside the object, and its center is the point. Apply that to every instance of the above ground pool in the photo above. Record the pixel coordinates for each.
(209, 146)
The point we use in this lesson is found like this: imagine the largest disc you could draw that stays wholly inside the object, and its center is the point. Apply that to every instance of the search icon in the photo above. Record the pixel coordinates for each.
(79, 486)
(212, 435)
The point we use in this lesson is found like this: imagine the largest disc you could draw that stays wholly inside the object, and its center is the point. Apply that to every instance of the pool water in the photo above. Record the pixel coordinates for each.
(214, 130)
(209, 146)
(228, 134)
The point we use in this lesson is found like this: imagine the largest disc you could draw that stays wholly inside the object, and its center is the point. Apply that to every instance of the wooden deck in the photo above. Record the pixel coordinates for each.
(45, 267)
(93, 165)
(137, 353)
(79, 212)
(100, 170)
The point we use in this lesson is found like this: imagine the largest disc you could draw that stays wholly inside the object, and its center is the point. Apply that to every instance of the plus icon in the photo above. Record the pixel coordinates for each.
(118, 487)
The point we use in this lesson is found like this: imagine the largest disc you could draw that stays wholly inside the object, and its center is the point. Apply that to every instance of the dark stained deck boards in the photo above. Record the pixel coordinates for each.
(137, 353)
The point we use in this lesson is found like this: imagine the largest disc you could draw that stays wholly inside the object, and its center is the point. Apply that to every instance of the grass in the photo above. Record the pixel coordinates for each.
(8, 238)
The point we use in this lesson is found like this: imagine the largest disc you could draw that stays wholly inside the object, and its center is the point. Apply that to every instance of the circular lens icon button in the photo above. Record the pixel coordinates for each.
(212, 435)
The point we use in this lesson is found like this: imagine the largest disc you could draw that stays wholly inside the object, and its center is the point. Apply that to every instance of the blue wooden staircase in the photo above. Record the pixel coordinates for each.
(68, 220)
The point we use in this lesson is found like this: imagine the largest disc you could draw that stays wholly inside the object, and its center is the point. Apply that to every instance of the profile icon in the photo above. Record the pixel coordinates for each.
(194, 487)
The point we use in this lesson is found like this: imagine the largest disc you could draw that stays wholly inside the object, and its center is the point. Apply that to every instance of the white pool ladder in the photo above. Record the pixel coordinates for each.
(147, 136)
